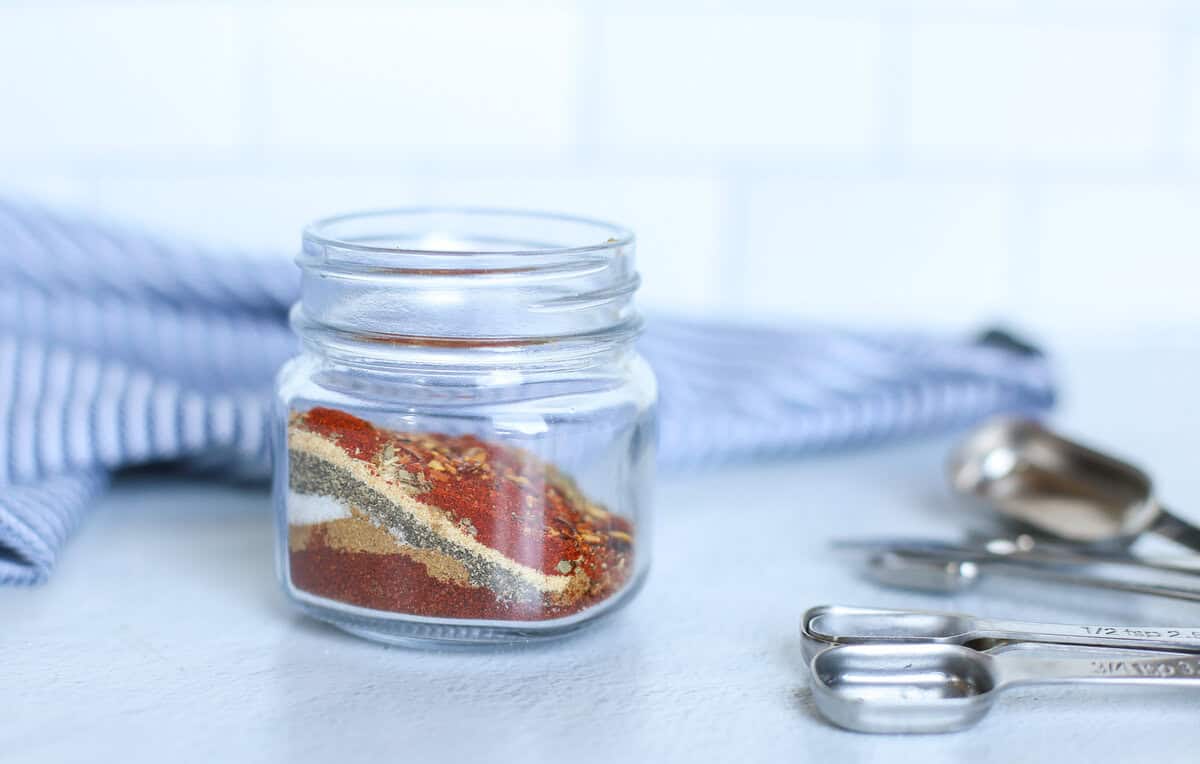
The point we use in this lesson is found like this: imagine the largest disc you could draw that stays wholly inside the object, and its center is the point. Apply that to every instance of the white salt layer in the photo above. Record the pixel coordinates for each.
(308, 508)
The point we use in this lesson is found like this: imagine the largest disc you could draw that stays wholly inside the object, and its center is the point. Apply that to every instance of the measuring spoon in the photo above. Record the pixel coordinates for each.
(1061, 488)
(944, 575)
(1022, 549)
(829, 625)
(944, 688)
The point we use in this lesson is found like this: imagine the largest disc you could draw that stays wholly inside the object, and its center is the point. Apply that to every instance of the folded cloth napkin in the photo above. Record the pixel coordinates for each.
(119, 349)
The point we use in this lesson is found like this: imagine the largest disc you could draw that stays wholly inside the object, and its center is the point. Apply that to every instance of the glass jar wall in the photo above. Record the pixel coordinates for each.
(465, 445)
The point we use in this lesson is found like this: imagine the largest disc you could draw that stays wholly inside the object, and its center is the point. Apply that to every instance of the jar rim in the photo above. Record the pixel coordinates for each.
(467, 273)
(322, 232)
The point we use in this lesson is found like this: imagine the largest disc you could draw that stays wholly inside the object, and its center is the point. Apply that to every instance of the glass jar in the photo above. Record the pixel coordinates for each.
(465, 445)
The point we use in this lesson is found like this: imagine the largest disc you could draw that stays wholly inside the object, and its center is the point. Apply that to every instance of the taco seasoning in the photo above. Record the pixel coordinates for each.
(443, 526)
(464, 447)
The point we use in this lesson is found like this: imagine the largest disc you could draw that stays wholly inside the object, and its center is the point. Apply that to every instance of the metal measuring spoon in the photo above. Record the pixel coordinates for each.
(939, 574)
(829, 625)
(1060, 488)
(1021, 550)
(944, 688)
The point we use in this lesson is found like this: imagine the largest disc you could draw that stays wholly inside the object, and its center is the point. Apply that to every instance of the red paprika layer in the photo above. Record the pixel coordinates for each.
(397, 583)
(470, 519)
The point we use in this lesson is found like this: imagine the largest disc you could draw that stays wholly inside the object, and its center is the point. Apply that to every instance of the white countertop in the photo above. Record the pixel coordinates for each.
(163, 634)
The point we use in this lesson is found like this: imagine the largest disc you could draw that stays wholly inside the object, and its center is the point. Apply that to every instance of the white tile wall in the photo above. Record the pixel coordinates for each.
(1188, 51)
(92, 81)
(1118, 253)
(411, 82)
(871, 161)
(744, 84)
(879, 251)
(1051, 90)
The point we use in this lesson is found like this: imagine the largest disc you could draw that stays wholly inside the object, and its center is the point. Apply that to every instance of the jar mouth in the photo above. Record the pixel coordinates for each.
(447, 237)
(466, 275)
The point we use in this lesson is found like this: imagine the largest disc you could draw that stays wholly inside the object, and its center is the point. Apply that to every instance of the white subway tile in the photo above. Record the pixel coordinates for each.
(880, 252)
(418, 82)
(1114, 256)
(87, 80)
(1190, 107)
(741, 84)
(1044, 92)
(677, 222)
(246, 211)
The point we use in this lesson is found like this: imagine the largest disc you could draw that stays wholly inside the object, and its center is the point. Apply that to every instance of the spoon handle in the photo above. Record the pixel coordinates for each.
(1141, 637)
(1175, 528)
(1095, 582)
(1174, 670)
(1044, 554)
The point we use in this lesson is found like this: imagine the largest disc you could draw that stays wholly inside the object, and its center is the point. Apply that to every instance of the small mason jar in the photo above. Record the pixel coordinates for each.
(465, 445)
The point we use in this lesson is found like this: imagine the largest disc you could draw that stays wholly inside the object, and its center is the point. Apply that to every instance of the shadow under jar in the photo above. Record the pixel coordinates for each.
(465, 445)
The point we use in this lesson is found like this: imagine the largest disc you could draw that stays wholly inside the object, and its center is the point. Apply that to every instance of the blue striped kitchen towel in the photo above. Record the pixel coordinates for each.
(119, 349)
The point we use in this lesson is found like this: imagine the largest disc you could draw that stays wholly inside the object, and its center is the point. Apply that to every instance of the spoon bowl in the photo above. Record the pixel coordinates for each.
(1055, 486)
(903, 688)
(827, 626)
(944, 688)
(836, 622)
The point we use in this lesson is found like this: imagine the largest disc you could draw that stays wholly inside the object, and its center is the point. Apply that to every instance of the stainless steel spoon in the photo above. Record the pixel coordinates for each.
(944, 688)
(829, 625)
(1060, 488)
(1026, 547)
(941, 575)
(1021, 550)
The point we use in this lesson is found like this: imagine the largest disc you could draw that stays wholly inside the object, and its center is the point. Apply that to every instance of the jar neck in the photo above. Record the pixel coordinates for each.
(466, 288)
(401, 353)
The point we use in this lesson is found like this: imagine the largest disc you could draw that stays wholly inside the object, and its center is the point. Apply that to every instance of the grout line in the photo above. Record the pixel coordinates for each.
(255, 90)
(734, 295)
(587, 113)
(895, 80)
(1025, 254)
(220, 162)
(1178, 28)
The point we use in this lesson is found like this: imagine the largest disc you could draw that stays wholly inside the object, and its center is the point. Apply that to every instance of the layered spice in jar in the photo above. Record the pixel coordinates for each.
(443, 526)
